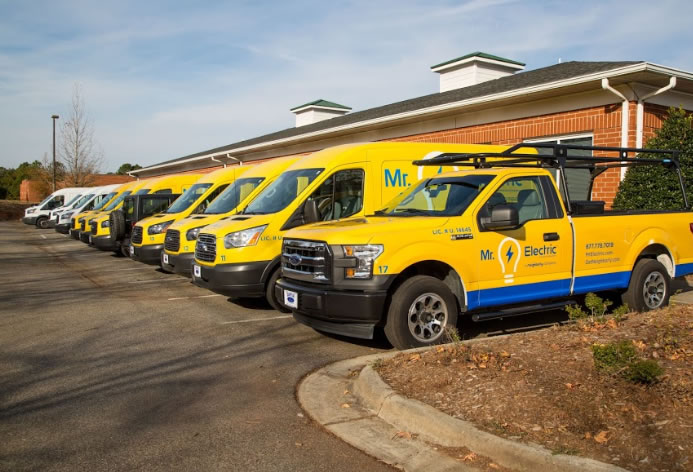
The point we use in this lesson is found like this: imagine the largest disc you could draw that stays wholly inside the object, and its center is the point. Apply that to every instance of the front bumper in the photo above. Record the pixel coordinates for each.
(84, 236)
(63, 228)
(29, 220)
(104, 243)
(350, 313)
(178, 263)
(233, 280)
(149, 254)
(75, 233)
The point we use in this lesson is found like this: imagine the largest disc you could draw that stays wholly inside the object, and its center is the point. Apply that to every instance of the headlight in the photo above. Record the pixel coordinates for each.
(30, 210)
(66, 216)
(364, 255)
(191, 234)
(247, 237)
(159, 227)
(105, 224)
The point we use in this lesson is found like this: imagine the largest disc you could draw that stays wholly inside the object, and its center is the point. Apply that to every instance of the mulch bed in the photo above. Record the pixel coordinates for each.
(542, 387)
(12, 210)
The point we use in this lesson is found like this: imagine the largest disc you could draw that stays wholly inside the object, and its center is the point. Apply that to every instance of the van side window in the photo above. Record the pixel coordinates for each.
(164, 190)
(340, 195)
(524, 193)
(55, 203)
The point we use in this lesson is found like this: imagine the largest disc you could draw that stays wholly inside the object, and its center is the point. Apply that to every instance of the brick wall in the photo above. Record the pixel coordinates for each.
(35, 191)
(603, 122)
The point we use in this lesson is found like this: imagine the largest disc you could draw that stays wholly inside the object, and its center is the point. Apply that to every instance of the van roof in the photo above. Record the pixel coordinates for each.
(271, 166)
(223, 175)
(160, 182)
(344, 154)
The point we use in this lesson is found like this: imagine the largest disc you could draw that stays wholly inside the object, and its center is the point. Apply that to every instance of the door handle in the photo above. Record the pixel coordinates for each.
(551, 237)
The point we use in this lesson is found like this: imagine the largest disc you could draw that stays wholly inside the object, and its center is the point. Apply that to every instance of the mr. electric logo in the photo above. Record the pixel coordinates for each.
(510, 252)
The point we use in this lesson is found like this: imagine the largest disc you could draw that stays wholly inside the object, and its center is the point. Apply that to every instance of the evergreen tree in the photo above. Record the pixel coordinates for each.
(650, 187)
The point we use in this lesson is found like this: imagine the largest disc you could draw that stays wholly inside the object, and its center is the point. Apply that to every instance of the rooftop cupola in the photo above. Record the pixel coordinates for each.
(318, 110)
(473, 69)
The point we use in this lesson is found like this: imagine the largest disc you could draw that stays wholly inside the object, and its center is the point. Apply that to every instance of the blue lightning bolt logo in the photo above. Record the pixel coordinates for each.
(509, 253)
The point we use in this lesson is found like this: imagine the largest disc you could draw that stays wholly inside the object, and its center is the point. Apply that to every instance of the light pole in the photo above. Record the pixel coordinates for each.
(55, 117)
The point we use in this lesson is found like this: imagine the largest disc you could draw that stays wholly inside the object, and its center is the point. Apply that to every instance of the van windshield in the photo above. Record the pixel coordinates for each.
(83, 200)
(233, 195)
(442, 196)
(104, 200)
(189, 197)
(280, 193)
(117, 201)
(74, 199)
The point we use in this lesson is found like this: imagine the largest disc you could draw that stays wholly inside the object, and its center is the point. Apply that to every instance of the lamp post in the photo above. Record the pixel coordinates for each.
(54, 117)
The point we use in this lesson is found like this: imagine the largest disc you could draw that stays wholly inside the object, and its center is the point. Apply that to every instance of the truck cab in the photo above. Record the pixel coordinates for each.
(179, 246)
(494, 241)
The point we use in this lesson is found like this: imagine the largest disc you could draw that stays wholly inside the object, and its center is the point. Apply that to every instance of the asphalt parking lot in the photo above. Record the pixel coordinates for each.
(110, 364)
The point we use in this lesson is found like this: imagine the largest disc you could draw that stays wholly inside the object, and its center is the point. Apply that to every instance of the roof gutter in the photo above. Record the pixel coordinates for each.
(639, 67)
(641, 110)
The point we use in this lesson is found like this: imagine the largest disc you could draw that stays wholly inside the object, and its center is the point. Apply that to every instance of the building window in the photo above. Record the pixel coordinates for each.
(578, 180)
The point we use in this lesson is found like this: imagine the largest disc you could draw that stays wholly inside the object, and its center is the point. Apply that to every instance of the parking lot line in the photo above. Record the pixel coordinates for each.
(198, 296)
(163, 279)
(258, 319)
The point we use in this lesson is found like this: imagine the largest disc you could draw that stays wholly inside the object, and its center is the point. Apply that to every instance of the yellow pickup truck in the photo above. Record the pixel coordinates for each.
(497, 240)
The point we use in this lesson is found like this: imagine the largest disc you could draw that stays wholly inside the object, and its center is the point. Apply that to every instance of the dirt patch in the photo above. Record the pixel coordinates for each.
(12, 210)
(543, 387)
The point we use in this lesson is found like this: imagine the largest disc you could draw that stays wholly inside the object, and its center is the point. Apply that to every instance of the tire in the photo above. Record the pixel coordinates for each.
(649, 287)
(42, 222)
(405, 327)
(117, 225)
(269, 292)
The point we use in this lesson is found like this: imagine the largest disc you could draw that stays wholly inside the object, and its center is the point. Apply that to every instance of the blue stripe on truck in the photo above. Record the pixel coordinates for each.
(683, 269)
(596, 283)
(518, 293)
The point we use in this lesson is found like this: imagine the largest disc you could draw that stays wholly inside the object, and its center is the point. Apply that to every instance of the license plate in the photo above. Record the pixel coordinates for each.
(196, 271)
(290, 299)
(165, 258)
(132, 250)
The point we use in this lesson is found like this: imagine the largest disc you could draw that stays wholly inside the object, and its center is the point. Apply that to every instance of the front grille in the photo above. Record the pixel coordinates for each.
(206, 247)
(306, 260)
(94, 227)
(136, 236)
(82, 224)
(172, 241)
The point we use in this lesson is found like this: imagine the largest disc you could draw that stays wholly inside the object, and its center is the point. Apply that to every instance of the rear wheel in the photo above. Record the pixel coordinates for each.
(649, 286)
(420, 311)
(42, 222)
(269, 292)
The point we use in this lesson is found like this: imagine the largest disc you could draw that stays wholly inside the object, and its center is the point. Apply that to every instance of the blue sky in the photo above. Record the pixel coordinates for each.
(163, 79)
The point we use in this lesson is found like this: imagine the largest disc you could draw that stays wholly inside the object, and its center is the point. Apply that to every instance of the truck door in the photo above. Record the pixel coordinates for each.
(531, 262)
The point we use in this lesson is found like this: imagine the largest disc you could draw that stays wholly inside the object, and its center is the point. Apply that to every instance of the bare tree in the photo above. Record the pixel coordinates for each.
(78, 151)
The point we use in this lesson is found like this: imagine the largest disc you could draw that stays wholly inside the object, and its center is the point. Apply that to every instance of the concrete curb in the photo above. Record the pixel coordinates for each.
(376, 414)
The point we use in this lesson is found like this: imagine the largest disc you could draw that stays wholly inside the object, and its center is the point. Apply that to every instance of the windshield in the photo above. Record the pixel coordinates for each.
(233, 195)
(74, 199)
(442, 196)
(189, 197)
(45, 200)
(277, 195)
(83, 200)
(117, 201)
(142, 191)
(104, 200)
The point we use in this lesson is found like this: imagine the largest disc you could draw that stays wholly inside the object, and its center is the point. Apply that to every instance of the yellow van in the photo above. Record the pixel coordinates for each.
(81, 228)
(179, 246)
(147, 240)
(240, 256)
(99, 233)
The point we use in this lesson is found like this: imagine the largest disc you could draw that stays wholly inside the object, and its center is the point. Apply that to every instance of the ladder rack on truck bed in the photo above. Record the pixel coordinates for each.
(560, 159)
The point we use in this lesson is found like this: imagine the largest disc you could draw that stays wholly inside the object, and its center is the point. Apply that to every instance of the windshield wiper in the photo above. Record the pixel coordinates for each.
(411, 211)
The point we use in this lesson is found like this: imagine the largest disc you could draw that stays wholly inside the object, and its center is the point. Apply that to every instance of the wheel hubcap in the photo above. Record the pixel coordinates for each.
(654, 290)
(427, 317)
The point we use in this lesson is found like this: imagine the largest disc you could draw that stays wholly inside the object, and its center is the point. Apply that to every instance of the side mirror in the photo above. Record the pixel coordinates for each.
(310, 212)
(503, 217)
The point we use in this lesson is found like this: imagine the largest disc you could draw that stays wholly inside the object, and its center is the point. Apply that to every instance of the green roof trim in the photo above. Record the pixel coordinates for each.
(479, 54)
(323, 103)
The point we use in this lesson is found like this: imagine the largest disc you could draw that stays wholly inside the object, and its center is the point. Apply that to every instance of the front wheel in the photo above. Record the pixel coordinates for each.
(649, 286)
(42, 222)
(269, 292)
(420, 311)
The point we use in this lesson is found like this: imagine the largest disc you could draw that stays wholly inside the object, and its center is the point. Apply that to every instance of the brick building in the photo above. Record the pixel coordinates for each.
(485, 99)
(35, 191)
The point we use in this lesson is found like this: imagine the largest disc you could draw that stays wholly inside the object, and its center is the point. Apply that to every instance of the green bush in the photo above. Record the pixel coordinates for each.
(613, 356)
(650, 187)
(645, 372)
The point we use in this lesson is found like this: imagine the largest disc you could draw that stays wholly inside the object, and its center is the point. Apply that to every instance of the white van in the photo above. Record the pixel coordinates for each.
(38, 215)
(91, 199)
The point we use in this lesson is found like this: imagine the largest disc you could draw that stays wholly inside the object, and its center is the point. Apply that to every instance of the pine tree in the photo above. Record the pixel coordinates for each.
(650, 187)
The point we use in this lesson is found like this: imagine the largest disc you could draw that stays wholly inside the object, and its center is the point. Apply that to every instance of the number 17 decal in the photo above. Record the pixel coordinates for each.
(383, 269)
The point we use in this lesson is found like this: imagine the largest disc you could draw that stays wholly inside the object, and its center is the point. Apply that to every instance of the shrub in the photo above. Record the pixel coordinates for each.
(613, 356)
(645, 372)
